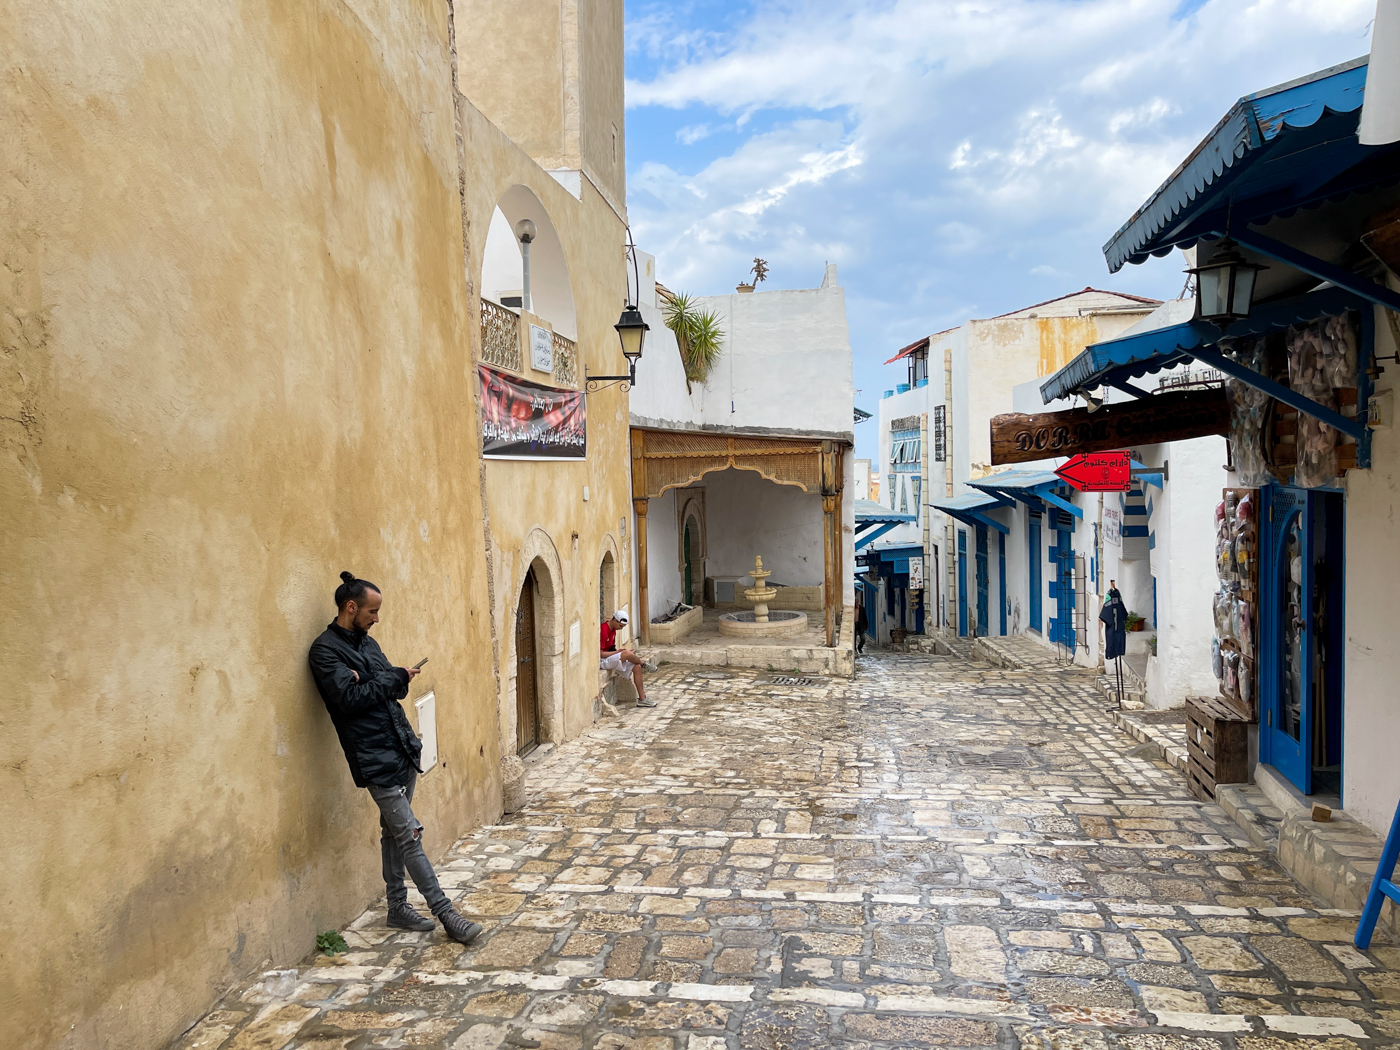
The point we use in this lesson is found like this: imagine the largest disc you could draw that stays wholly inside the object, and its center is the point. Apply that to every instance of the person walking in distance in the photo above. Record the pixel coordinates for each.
(622, 662)
(362, 691)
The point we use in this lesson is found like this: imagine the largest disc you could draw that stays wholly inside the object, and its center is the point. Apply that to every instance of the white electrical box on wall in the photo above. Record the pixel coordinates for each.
(427, 729)
(575, 641)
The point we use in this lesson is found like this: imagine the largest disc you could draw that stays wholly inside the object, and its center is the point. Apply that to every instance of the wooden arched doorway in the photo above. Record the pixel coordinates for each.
(527, 708)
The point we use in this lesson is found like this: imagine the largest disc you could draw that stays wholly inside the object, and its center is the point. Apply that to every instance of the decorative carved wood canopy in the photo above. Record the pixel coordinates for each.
(668, 459)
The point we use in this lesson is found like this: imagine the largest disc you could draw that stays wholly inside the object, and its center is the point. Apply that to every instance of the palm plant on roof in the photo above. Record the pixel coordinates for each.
(698, 335)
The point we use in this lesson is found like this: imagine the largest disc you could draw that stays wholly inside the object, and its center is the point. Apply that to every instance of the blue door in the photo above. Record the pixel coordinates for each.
(1061, 555)
(1301, 636)
(984, 618)
(1036, 586)
(1286, 721)
(962, 584)
(1001, 577)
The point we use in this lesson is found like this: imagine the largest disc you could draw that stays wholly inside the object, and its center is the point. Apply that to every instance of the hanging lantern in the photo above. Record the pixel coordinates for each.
(1225, 285)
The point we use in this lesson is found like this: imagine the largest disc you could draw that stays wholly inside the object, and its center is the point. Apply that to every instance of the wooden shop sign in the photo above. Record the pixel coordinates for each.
(1020, 438)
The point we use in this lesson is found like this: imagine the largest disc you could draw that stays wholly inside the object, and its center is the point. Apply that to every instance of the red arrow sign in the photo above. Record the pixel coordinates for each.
(1098, 472)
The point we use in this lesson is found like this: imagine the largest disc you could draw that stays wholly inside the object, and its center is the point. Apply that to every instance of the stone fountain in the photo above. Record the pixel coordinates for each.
(760, 594)
(760, 621)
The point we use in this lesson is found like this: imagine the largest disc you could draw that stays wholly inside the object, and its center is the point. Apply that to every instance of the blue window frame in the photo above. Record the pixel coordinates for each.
(1001, 578)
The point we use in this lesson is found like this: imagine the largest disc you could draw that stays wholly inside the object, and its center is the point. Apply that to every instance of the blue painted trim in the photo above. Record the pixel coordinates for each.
(1134, 531)
(1136, 508)
(1064, 504)
(1001, 578)
(1159, 348)
(1315, 267)
(974, 519)
(1152, 542)
(865, 539)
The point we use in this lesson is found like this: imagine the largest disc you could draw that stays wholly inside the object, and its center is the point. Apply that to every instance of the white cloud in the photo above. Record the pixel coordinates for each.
(692, 133)
(942, 150)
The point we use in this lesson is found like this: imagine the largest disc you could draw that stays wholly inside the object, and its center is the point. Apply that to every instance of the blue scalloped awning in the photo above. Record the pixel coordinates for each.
(1291, 146)
(1132, 356)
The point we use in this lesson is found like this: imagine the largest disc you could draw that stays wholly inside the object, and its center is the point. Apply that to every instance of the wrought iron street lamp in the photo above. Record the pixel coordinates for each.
(1225, 285)
(631, 330)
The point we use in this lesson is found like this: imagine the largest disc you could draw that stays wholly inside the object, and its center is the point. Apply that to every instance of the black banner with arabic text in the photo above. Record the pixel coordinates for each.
(524, 420)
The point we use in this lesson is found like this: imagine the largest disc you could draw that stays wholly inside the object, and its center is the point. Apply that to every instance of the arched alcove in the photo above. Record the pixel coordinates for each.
(550, 291)
(607, 586)
(540, 570)
(691, 545)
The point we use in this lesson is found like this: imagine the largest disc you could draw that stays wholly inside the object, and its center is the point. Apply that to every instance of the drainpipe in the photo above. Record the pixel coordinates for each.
(525, 230)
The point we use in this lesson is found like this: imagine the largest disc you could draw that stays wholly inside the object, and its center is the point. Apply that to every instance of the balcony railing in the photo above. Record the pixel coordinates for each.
(500, 336)
(565, 361)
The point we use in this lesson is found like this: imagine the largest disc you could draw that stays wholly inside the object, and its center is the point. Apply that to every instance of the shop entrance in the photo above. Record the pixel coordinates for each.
(1300, 732)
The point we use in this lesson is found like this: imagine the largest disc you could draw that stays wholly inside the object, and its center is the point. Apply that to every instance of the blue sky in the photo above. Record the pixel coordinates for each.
(955, 158)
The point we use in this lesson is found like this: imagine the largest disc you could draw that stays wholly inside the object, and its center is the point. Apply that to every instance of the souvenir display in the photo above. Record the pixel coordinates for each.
(1322, 359)
(1234, 604)
(1248, 412)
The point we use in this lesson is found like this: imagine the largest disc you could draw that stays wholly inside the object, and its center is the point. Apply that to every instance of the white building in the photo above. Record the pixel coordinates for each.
(934, 439)
(753, 460)
(1314, 411)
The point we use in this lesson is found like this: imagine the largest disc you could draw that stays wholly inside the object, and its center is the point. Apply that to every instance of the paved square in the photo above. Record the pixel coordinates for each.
(936, 854)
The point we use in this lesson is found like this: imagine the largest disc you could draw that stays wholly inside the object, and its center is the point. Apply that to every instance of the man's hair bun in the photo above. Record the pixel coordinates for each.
(352, 589)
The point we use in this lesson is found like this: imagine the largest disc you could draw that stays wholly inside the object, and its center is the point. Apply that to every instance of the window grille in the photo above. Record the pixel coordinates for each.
(940, 441)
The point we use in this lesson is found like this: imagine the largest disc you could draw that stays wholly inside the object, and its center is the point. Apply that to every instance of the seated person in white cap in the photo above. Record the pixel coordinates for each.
(622, 662)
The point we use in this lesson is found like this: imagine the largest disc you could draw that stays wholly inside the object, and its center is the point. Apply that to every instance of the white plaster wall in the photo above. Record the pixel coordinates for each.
(861, 476)
(663, 577)
(786, 367)
(1371, 712)
(749, 515)
(1183, 522)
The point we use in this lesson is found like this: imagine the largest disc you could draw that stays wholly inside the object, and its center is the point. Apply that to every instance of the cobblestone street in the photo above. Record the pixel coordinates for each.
(938, 853)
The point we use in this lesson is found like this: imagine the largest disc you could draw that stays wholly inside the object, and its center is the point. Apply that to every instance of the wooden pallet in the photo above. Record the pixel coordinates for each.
(1217, 746)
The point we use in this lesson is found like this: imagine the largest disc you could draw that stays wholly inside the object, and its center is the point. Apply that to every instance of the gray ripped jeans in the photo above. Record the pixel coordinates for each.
(401, 846)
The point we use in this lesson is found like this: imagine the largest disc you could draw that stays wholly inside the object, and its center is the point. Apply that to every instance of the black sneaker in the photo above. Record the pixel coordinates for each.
(403, 917)
(461, 930)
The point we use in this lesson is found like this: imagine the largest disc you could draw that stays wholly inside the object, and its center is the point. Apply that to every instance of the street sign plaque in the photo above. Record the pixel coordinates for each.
(1098, 472)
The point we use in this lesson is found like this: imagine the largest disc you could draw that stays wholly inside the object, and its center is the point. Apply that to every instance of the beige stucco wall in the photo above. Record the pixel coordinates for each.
(537, 510)
(548, 73)
(234, 359)
(1004, 351)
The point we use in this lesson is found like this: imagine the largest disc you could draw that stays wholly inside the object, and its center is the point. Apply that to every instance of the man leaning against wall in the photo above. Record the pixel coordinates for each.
(362, 690)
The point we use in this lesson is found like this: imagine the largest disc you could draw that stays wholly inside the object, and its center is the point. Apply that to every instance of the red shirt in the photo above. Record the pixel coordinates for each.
(607, 638)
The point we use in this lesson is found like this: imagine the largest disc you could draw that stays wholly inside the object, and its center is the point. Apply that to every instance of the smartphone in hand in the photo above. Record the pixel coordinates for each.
(419, 665)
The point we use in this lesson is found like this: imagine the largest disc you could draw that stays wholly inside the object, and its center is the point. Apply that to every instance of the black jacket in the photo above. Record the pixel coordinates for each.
(377, 737)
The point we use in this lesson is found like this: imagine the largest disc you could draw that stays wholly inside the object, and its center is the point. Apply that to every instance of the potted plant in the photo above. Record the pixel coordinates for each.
(699, 336)
(1136, 621)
